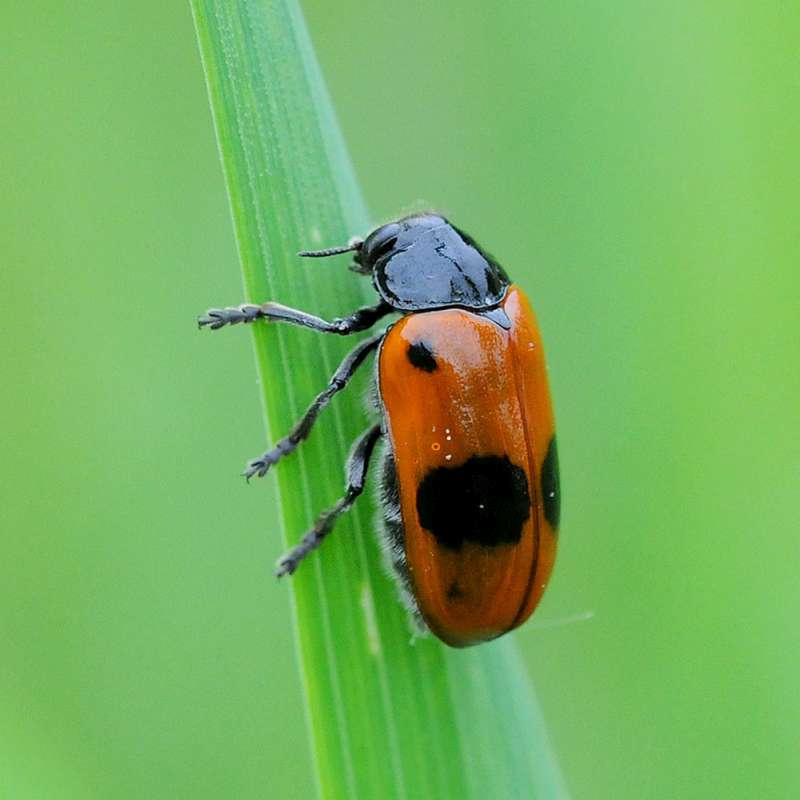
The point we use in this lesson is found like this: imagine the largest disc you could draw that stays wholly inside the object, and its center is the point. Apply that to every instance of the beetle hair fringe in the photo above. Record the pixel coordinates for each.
(389, 525)
(388, 519)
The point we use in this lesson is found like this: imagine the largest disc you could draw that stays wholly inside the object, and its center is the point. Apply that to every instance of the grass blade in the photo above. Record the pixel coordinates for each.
(388, 718)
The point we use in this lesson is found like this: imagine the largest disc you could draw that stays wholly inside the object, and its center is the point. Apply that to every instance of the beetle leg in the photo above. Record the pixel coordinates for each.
(352, 361)
(357, 466)
(359, 320)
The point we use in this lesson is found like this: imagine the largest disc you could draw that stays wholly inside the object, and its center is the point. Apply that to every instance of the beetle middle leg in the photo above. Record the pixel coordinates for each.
(352, 361)
(357, 466)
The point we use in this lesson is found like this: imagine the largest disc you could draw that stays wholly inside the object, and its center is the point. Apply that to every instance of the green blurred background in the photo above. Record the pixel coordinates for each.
(633, 165)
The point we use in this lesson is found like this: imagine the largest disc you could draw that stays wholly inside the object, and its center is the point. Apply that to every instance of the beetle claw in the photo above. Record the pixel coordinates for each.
(260, 466)
(286, 566)
(214, 318)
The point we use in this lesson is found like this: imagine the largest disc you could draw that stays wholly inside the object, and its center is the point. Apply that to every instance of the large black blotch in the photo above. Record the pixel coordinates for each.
(551, 490)
(421, 356)
(484, 501)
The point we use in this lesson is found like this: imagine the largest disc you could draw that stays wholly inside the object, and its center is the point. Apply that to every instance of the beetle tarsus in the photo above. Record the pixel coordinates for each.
(285, 566)
(216, 318)
(260, 466)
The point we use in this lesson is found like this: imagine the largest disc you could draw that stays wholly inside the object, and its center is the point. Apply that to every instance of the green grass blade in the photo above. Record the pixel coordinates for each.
(388, 718)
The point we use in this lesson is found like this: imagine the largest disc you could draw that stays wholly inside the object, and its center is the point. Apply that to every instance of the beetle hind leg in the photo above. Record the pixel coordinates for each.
(357, 466)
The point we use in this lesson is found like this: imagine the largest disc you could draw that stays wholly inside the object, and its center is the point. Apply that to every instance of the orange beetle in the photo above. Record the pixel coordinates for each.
(470, 467)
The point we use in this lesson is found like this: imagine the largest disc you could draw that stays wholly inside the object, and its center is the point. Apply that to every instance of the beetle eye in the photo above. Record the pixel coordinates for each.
(380, 242)
(383, 248)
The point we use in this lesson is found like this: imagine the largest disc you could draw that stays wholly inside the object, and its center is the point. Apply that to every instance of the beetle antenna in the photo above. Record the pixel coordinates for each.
(352, 245)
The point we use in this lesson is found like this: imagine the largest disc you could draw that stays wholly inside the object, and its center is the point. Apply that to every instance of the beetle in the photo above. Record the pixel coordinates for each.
(469, 480)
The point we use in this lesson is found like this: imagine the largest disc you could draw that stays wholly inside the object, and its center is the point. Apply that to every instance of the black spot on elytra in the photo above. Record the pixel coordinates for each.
(484, 501)
(454, 591)
(421, 356)
(551, 491)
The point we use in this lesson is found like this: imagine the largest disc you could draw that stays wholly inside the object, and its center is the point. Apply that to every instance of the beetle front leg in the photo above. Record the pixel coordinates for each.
(359, 320)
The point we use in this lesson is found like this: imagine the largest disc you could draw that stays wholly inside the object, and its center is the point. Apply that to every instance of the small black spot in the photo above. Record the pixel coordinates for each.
(421, 356)
(484, 501)
(551, 491)
(454, 591)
